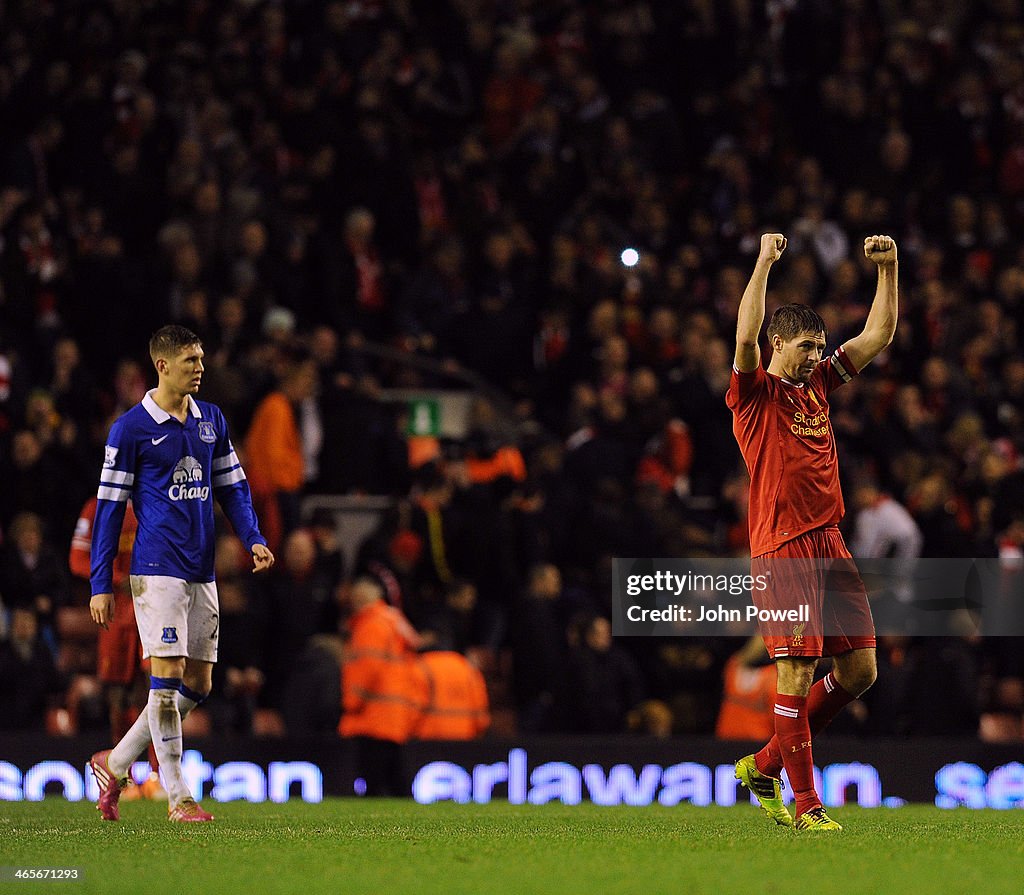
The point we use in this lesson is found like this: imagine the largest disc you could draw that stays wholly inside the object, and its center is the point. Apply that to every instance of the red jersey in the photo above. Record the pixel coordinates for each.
(786, 439)
(80, 558)
(118, 651)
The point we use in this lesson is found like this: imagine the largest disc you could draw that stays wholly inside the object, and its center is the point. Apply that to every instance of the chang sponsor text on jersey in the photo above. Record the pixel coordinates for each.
(187, 481)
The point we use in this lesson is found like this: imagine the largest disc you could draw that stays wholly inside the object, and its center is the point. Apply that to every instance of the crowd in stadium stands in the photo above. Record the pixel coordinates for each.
(456, 181)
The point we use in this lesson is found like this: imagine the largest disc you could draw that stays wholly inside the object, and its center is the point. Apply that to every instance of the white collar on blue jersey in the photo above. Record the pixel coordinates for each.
(161, 415)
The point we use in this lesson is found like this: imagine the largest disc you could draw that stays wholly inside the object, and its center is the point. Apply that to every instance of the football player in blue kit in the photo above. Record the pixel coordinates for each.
(171, 455)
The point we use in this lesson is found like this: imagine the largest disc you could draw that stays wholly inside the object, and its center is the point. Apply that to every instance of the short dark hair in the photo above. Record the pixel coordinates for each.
(790, 321)
(168, 341)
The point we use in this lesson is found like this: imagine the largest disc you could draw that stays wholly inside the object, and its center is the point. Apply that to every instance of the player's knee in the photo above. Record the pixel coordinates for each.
(861, 682)
(857, 678)
(869, 674)
(199, 681)
(795, 675)
(199, 694)
(167, 668)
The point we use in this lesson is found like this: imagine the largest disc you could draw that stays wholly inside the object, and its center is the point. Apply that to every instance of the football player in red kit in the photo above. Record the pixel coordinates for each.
(120, 666)
(781, 423)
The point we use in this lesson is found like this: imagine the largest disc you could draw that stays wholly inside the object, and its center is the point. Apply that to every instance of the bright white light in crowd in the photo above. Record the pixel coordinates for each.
(630, 257)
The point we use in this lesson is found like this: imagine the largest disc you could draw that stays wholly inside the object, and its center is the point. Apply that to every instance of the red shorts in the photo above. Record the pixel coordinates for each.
(118, 650)
(815, 575)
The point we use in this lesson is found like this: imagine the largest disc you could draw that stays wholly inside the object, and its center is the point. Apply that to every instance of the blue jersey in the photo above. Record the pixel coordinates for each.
(171, 471)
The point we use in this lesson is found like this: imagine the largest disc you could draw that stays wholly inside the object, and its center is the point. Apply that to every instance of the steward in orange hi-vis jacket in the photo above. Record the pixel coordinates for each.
(383, 690)
(457, 707)
(748, 696)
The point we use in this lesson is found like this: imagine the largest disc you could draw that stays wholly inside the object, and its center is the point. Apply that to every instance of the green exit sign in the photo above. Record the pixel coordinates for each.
(424, 417)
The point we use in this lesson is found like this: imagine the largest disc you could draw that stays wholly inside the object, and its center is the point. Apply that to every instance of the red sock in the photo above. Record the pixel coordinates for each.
(119, 724)
(794, 736)
(826, 699)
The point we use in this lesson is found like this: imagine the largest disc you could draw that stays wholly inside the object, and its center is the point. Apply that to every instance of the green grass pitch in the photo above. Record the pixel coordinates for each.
(351, 846)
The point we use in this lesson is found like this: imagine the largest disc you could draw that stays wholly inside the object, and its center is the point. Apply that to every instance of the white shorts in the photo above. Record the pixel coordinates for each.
(176, 617)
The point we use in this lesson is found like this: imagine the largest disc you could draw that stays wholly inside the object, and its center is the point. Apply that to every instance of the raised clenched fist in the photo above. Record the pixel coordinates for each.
(772, 246)
(880, 249)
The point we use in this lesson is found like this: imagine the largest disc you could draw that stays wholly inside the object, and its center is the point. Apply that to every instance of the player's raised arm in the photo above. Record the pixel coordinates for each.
(751, 314)
(880, 326)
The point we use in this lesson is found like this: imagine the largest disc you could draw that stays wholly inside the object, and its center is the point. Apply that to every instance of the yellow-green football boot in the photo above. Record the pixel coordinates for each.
(767, 790)
(817, 821)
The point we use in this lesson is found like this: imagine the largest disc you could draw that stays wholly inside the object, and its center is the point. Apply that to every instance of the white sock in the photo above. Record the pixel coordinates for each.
(165, 727)
(138, 738)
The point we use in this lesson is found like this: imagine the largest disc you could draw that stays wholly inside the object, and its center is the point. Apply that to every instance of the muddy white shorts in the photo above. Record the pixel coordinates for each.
(176, 617)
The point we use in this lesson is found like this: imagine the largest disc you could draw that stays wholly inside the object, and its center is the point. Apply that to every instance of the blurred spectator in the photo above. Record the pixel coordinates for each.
(398, 571)
(494, 336)
(312, 703)
(436, 296)
(540, 650)
(603, 679)
(71, 383)
(924, 710)
(449, 625)
(651, 718)
(275, 452)
(883, 529)
(433, 522)
(686, 673)
(358, 296)
(941, 517)
(330, 562)
(297, 598)
(33, 479)
(239, 673)
(33, 574)
(28, 674)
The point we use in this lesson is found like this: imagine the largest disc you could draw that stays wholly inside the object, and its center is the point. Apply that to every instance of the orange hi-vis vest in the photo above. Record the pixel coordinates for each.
(747, 702)
(273, 447)
(506, 461)
(383, 686)
(457, 707)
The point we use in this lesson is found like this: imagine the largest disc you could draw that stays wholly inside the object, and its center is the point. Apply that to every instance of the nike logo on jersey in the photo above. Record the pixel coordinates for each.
(161, 438)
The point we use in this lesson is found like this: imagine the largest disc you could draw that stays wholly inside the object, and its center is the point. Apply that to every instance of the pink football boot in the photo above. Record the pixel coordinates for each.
(110, 786)
(188, 811)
